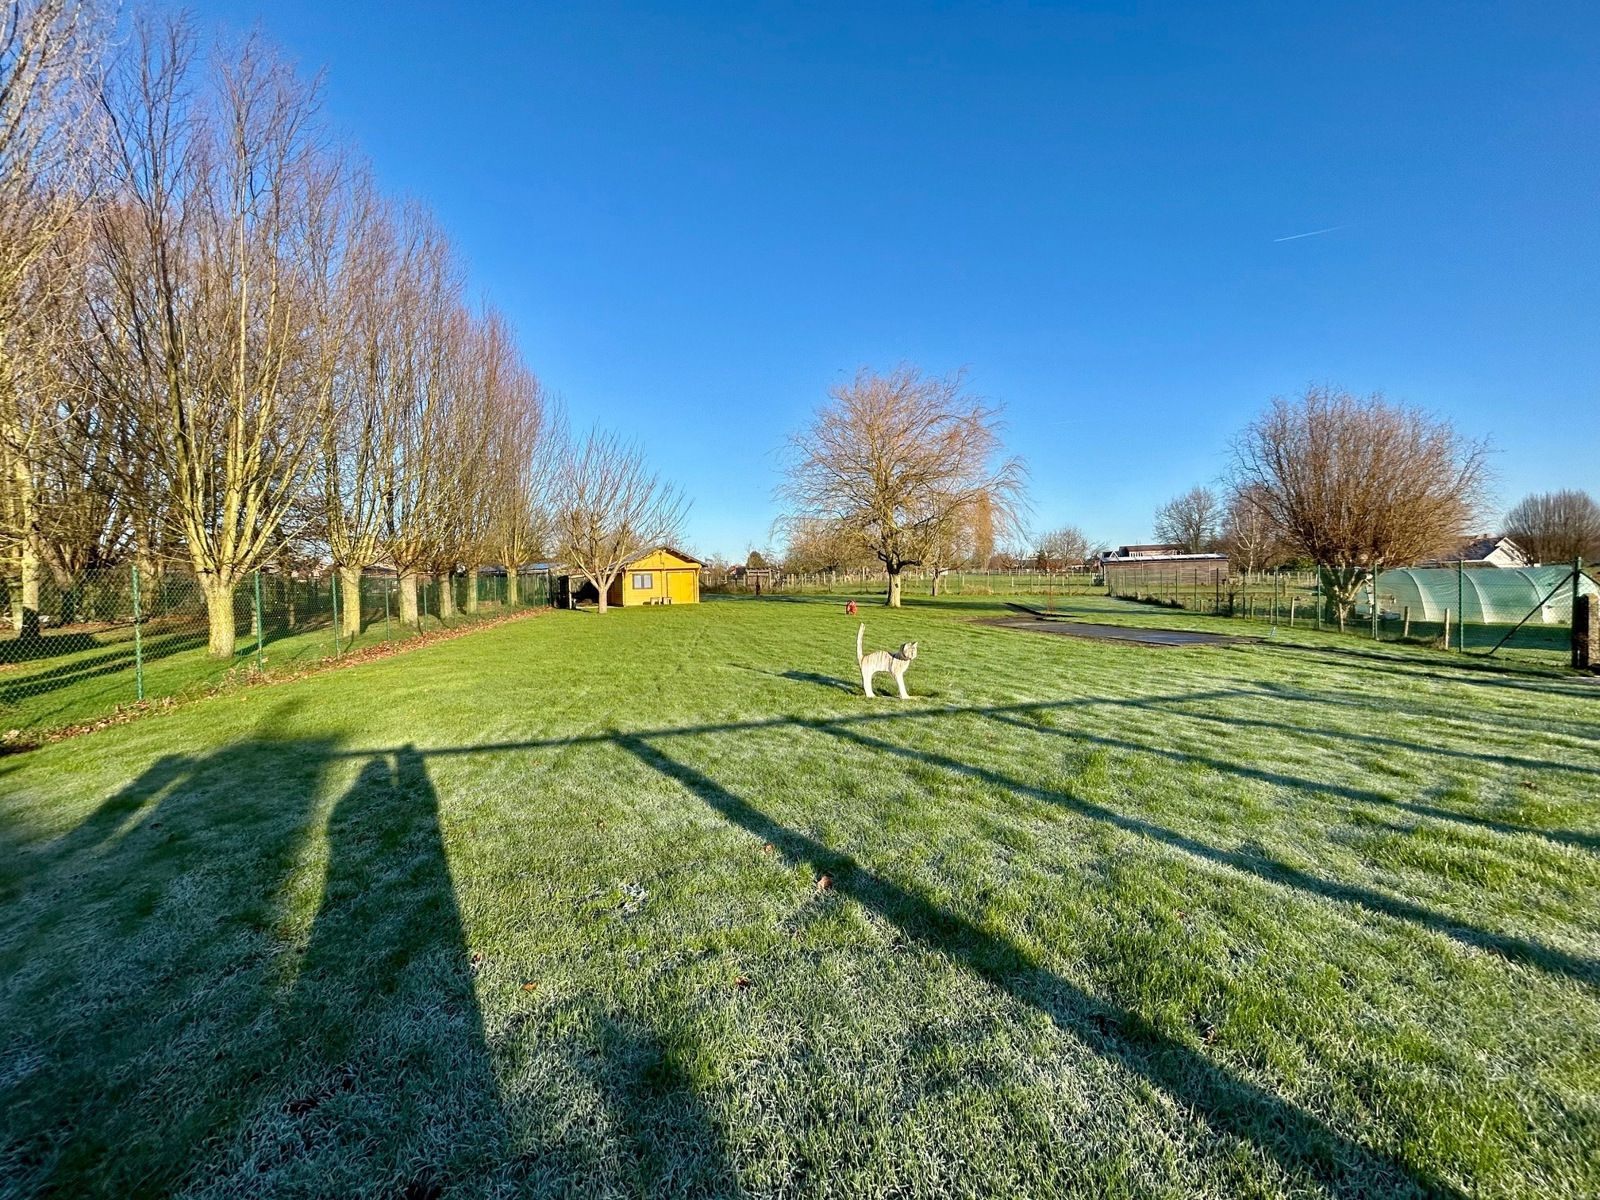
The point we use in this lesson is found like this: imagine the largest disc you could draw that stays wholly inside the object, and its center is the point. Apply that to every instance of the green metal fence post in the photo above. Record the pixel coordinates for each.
(260, 664)
(1374, 586)
(138, 641)
(1461, 612)
(1319, 597)
(333, 598)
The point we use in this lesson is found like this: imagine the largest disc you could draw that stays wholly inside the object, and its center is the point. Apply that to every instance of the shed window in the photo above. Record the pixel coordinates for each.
(643, 581)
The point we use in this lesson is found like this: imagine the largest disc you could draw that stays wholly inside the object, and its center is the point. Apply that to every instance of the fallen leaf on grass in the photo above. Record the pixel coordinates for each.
(530, 987)
(742, 982)
(824, 883)
(768, 848)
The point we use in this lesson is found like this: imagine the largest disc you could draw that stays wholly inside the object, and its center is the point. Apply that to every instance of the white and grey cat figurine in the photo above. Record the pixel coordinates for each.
(893, 661)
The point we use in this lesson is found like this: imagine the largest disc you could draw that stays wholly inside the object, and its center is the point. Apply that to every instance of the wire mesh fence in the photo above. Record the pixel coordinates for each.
(1019, 582)
(76, 652)
(1479, 610)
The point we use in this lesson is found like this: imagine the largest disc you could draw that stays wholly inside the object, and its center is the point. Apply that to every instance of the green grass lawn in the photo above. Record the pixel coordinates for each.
(76, 675)
(537, 912)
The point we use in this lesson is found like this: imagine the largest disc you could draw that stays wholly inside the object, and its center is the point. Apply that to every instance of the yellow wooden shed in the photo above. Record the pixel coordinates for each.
(659, 576)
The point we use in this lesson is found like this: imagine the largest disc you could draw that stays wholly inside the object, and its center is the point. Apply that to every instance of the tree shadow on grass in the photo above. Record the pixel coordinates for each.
(171, 1022)
(390, 1090)
(650, 1133)
(1527, 950)
(135, 947)
(1303, 1146)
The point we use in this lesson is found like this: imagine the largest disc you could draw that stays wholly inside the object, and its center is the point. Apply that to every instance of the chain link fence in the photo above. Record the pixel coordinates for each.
(1018, 582)
(1525, 612)
(78, 652)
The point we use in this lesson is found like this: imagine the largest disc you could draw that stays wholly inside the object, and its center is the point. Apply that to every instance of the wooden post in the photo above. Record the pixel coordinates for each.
(1405, 619)
(1293, 601)
(1586, 634)
(1447, 629)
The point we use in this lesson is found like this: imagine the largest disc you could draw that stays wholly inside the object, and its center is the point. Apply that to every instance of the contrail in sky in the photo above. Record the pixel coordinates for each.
(1313, 233)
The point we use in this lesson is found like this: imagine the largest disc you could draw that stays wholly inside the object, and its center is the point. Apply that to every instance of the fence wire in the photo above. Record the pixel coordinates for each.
(78, 651)
(1476, 610)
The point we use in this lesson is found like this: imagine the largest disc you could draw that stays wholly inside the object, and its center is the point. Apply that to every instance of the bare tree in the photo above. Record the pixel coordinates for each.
(209, 315)
(355, 304)
(1357, 484)
(1249, 535)
(428, 322)
(1066, 547)
(899, 460)
(48, 70)
(818, 544)
(1556, 526)
(1191, 520)
(518, 470)
(608, 507)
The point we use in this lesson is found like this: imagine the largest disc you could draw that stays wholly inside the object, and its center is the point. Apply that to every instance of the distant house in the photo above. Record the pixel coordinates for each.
(1154, 550)
(1485, 550)
(660, 575)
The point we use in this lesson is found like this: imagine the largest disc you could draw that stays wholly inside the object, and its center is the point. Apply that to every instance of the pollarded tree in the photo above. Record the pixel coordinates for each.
(899, 460)
(608, 506)
(1556, 527)
(1358, 484)
(1191, 520)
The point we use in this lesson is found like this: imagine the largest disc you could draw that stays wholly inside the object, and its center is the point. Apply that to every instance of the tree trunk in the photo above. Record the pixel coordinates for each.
(447, 595)
(28, 617)
(512, 598)
(893, 599)
(349, 601)
(220, 619)
(472, 589)
(602, 587)
(408, 599)
(1341, 584)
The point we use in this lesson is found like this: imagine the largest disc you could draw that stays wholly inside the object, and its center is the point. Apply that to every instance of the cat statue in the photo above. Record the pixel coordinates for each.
(893, 661)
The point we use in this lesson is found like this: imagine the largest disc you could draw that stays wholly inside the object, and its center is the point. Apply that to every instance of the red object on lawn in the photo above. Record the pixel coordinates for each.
(851, 608)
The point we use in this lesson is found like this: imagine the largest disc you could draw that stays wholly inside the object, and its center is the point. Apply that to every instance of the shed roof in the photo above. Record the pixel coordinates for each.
(646, 553)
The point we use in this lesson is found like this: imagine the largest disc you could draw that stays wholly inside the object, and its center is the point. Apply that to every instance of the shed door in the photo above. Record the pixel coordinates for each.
(680, 586)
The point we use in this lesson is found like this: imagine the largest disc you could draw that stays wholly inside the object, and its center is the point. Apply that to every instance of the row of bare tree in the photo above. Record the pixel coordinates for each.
(221, 346)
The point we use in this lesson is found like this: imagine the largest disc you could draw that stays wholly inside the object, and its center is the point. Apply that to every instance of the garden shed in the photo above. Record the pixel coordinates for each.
(660, 575)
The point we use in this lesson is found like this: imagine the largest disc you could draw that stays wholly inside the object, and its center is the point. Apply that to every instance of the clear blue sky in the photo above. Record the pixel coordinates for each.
(699, 217)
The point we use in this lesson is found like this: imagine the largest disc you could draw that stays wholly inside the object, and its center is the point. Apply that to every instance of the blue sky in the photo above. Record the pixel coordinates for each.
(701, 217)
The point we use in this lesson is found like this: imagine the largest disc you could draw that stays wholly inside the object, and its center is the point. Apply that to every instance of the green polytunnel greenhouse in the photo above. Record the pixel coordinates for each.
(1481, 595)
